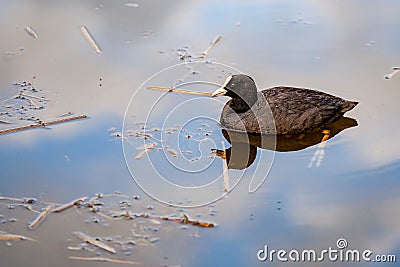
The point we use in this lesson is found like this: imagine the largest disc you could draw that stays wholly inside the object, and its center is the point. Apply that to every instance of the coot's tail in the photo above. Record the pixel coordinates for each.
(348, 105)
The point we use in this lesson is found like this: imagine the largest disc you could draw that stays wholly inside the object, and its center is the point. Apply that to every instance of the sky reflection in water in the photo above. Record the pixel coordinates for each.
(344, 48)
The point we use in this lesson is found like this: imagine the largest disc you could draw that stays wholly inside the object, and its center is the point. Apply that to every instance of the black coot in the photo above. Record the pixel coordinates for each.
(278, 110)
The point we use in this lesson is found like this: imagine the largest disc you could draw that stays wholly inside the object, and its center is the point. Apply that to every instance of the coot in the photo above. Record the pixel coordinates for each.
(278, 110)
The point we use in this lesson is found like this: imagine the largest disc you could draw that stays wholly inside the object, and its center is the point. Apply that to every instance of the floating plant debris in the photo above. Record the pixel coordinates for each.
(89, 38)
(33, 96)
(370, 43)
(154, 221)
(22, 103)
(393, 73)
(213, 43)
(12, 237)
(29, 200)
(29, 207)
(132, 5)
(41, 124)
(145, 227)
(147, 149)
(23, 106)
(56, 121)
(104, 260)
(186, 220)
(10, 198)
(31, 32)
(68, 205)
(94, 242)
(116, 134)
(183, 53)
(40, 217)
(80, 248)
(189, 137)
(5, 122)
(66, 114)
(172, 152)
(33, 104)
(179, 91)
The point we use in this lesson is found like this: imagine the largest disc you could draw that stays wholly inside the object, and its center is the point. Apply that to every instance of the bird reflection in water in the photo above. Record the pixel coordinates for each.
(243, 150)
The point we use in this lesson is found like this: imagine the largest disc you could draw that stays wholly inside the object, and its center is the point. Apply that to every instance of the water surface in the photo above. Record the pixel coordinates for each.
(342, 47)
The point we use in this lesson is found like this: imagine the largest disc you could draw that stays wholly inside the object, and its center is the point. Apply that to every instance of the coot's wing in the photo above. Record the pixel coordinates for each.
(298, 110)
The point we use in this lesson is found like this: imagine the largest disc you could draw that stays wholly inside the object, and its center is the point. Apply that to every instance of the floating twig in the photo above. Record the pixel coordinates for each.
(10, 198)
(146, 150)
(31, 32)
(89, 38)
(32, 103)
(20, 128)
(33, 96)
(104, 260)
(104, 215)
(214, 42)
(40, 217)
(8, 99)
(5, 122)
(56, 121)
(66, 114)
(68, 205)
(22, 200)
(184, 220)
(94, 242)
(12, 237)
(172, 152)
(394, 72)
(179, 91)
(80, 248)
(29, 207)
(41, 124)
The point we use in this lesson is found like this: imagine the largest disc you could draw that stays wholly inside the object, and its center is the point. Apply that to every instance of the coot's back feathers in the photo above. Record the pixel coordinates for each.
(298, 110)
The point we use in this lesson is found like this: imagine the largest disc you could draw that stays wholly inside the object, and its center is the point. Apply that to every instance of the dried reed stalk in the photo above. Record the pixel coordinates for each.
(213, 43)
(104, 260)
(94, 242)
(40, 217)
(41, 124)
(12, 237)
(68, 205)
(179, 91)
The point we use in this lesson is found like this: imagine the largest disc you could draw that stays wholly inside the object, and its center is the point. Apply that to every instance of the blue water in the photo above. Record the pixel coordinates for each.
(342, 48)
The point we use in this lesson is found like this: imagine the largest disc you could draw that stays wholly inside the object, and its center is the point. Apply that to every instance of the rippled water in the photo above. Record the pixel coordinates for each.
(340, 47)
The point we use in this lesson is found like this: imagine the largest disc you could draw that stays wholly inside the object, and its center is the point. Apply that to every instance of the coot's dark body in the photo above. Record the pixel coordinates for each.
(278, 110)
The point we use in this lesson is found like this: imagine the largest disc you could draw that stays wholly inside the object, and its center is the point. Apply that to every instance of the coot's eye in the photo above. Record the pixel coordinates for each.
(232, 85)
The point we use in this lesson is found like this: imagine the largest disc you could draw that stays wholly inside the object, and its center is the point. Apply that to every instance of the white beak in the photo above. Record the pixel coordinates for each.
(219, 92)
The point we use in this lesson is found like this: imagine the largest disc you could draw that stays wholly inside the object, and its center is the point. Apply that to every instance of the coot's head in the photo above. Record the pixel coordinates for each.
(242, 89)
